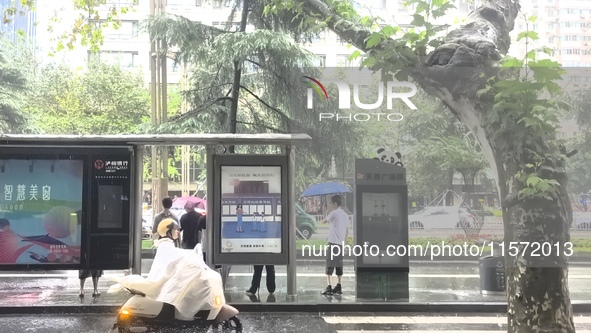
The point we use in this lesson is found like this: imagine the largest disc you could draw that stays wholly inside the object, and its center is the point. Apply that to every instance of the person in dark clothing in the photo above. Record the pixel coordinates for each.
(190, 226)
(86, 273)
(164, 214)
(256, 279)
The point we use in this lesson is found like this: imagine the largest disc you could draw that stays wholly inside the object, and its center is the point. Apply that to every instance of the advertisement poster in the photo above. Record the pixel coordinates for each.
(251, 209)
(40, 207)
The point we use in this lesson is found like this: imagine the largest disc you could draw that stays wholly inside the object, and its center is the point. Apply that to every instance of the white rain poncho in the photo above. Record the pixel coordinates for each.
(179, 277)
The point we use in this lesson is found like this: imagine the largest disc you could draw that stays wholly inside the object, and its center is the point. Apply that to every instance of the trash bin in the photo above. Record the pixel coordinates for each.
(492, 275)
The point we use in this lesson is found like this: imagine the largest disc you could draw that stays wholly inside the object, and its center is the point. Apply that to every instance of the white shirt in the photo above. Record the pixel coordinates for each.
(338, 221)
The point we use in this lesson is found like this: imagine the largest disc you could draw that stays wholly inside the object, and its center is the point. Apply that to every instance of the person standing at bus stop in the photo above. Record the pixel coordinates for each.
(164, 214)
(337, 236)
(190, 226)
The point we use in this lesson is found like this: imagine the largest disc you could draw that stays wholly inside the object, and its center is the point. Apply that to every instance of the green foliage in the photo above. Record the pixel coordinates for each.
(14, 87)
(270, 94)
(104, 99)
(87, 28)
(526, 107)
(437, 145)
(13, 10)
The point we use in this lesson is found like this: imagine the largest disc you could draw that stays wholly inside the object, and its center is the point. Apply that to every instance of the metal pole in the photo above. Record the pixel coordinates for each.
(136, 204)
(291, 199)
(210, 201)
(156, 196)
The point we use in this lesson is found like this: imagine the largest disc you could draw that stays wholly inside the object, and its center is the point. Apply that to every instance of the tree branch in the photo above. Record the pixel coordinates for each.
(275, 130)
(283, 115)
(210, 87)
(191, 113)
(346, 29)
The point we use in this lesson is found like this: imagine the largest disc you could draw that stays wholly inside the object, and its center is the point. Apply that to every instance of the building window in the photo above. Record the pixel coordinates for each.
(127, 30)
(569, 38)
(571, 24)
(320, 60)
(343, 61)
(401, 7)
(570, 51)
(125, 59)
(181, 3)
(378, 4)
(220, 3)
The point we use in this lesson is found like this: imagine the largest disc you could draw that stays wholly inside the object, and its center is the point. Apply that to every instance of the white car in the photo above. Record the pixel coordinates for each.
(581, 220)
(438, 217)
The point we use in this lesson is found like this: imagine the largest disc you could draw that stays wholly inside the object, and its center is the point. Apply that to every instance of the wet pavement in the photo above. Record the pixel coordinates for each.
(429, 282)
(288, 322)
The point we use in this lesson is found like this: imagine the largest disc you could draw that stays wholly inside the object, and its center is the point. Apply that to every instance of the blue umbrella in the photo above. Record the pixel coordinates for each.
(325, 188)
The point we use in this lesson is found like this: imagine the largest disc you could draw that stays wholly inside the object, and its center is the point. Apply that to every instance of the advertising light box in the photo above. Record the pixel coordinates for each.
(65, 208)
(250, 226)
(251, 219)
(40, 211)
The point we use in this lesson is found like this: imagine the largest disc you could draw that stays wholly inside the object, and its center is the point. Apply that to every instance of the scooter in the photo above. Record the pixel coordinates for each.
(180, 292)
(143, 314)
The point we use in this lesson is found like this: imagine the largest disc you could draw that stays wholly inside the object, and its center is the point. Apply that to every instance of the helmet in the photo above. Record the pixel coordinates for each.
(167, 225)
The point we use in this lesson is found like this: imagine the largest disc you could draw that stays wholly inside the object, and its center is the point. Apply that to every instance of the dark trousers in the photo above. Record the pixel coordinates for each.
(256, 278)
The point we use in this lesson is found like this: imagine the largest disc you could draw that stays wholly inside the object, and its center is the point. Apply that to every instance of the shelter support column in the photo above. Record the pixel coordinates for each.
(291, 200)
(136, 203)
(210, 171)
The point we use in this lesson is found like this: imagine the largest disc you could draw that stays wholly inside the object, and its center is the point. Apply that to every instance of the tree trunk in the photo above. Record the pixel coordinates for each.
(538, 294)
(539, 299)
(237, 77)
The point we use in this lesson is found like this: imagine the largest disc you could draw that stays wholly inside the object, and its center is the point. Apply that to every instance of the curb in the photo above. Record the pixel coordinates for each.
(417, 308)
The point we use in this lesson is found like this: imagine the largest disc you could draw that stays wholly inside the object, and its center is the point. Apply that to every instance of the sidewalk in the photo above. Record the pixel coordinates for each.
(440, 287)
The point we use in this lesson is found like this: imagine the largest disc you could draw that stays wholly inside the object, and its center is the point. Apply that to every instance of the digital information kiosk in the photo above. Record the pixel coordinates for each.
(381, 229)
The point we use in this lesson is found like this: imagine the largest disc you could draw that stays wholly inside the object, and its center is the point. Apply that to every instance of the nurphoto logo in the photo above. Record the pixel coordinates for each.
(344, 99)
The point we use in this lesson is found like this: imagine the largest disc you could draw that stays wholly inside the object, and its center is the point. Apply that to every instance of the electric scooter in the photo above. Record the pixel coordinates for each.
(181, 292)
(143, 314)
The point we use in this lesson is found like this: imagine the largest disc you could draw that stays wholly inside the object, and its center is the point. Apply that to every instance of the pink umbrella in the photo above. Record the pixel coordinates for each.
(181, 201)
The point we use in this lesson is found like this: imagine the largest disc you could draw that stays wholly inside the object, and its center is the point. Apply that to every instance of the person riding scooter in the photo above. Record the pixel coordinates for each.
(169, 232)
(180, 291)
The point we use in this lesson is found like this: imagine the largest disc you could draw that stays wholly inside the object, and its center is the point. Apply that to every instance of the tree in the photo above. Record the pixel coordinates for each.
(13, 88)
(437, 144)
(514, 125)
(247, 82)
(104, 99)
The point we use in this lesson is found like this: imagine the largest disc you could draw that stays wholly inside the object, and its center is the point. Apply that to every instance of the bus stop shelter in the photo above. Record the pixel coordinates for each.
(123, 164)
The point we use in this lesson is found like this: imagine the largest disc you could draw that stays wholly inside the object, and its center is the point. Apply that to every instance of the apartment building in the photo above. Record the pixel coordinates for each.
(130, 47)
(564, 26)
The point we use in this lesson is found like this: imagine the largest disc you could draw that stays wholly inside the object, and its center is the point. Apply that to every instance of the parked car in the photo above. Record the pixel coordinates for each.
(437, 217)
(146, 231)
(305, 223)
